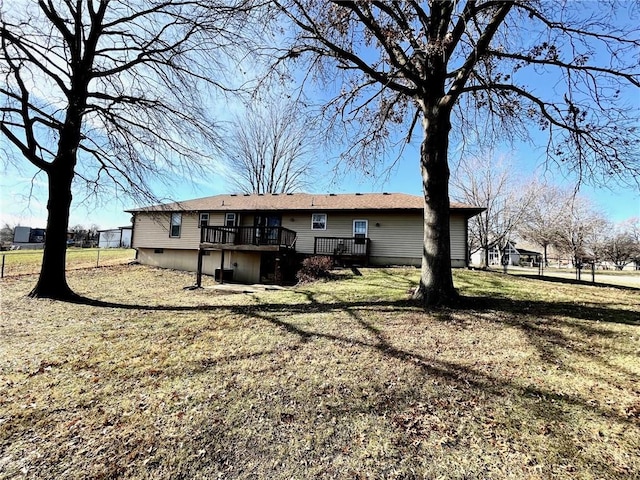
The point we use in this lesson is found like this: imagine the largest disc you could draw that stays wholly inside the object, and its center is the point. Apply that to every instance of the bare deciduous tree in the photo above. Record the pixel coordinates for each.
(272, 149)
(469, 65)
(84, 237)
(579, 232)
(622, 244)
(550, 206)
(6, 233)
(109, 92)
(107, 238)
(496, 186)
(79, 234)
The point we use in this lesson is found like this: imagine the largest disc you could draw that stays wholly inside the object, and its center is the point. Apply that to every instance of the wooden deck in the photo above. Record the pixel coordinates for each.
(263, 239)
(344, 249)
(246, 239)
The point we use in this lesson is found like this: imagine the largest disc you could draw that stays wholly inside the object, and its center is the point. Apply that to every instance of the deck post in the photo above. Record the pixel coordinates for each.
(277, 274)
(199, 269)
(221, 267)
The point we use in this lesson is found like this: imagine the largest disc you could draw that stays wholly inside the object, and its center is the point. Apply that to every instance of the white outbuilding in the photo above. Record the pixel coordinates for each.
(115, 238)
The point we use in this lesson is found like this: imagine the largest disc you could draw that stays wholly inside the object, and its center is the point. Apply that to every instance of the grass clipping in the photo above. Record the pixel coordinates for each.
(339, 379)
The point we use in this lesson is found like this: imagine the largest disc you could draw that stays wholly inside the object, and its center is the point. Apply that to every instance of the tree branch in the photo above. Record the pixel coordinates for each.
(479, 50)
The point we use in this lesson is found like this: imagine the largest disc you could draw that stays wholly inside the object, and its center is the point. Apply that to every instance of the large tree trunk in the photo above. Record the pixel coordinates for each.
(436, 281)
(52, 282)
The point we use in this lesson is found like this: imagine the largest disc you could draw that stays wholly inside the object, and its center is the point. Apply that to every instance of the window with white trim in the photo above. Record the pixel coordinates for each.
(204, 220)
(176, 225)
(230, 219)
(318, 221)
(360, 228)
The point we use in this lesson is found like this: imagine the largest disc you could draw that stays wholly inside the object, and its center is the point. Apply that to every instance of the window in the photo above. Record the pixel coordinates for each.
(176, 224)
(319, 221)
(204, 220)
(230, 220)
(360, 231)
(360, 228)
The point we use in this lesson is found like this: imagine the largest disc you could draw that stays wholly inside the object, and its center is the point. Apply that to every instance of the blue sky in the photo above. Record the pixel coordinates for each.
(23, 192)
(23, 195)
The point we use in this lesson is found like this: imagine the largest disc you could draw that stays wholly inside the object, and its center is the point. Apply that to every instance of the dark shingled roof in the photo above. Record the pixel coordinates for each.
(302, 202)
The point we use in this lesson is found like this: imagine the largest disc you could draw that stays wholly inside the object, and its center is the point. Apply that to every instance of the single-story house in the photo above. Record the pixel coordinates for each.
(253, 238)
(115, 237)
(516, 256)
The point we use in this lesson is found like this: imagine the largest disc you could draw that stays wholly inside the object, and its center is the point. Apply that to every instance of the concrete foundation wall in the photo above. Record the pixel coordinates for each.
(245, 265)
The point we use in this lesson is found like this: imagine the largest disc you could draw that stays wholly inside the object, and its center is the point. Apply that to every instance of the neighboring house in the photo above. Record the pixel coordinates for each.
(516, 256)
(115, 237)
(529, 258)
(257, 238)
(28, 238)
(28, 235)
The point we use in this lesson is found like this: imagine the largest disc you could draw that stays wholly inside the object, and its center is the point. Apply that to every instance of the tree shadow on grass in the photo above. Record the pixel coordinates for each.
(539, 320)
(542, 322)
(550, 309)
(512, 306)
(572, 281)
(542, 402)
(552, 328)
(533, 317)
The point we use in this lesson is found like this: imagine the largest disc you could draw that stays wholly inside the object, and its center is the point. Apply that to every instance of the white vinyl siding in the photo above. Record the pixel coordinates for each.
(398, 236)
(152, 230)
(457, 224)
(394, 237)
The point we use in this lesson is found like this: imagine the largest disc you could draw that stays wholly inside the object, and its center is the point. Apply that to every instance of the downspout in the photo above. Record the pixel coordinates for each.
(133, 231)
(466, 242)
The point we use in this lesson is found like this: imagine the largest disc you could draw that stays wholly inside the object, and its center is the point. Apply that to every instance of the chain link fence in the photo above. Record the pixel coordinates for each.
(28, 262)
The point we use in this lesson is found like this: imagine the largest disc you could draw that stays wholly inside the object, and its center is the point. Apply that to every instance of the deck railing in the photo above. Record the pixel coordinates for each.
(342, 246)
(248, 236)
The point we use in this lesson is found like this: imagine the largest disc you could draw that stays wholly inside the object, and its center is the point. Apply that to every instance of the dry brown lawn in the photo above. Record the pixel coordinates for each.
(343, 379)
